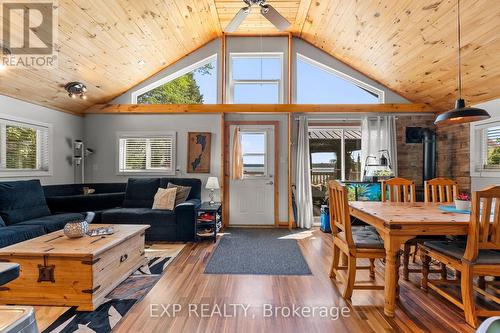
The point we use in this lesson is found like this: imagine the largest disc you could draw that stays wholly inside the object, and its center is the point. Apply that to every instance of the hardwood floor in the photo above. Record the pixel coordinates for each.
(184, 283)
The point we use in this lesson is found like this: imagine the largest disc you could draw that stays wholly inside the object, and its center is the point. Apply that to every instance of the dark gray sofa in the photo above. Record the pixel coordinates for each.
(166, 225)
(24, 213)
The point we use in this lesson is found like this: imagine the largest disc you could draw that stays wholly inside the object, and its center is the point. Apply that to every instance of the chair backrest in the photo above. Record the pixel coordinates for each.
(440, 190)
(340, 218)
(400, 190)
(484, 227)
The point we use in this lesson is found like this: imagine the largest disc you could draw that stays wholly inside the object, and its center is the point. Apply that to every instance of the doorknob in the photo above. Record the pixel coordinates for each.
(270, 183)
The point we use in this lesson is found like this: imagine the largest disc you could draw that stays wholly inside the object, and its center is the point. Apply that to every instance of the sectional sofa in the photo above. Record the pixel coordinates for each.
(28, 210)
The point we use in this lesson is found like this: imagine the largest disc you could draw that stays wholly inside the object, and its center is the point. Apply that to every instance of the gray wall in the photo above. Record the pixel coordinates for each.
(101, 135)
(208, 50)
(65, 129)
(312, 52)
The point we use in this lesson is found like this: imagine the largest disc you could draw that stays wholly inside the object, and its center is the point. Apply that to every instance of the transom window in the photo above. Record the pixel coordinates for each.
(147, 153)
(256, 78)
(24, 148)
(320, 84)
(253, 146)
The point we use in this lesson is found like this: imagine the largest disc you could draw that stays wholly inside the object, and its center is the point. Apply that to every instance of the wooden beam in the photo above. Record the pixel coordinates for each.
(257, 108)
(290, 203)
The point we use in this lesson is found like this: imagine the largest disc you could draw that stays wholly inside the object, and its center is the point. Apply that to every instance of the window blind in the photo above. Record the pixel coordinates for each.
(23, 146)
(147, 154)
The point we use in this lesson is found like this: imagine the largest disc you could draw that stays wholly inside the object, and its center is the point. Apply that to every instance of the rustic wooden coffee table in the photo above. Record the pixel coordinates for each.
(56, 270)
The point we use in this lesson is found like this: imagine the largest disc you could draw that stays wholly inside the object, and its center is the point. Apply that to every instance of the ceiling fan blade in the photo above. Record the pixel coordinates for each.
(237, 19)
(274, 17)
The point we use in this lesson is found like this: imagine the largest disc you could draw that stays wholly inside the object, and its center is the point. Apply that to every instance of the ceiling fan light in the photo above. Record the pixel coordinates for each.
(461, 115)
(83, 96)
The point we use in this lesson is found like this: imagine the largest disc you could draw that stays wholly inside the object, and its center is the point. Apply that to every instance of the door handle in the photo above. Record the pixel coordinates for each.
(270, 183)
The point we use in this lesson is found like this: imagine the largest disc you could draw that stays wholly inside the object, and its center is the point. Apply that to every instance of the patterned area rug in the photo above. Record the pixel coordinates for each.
(120, 300)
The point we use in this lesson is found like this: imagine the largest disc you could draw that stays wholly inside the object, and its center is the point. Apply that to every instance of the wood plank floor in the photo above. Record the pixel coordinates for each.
(185, 283)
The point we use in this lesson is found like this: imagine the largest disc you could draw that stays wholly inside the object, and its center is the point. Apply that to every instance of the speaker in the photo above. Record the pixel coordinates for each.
(414, 135)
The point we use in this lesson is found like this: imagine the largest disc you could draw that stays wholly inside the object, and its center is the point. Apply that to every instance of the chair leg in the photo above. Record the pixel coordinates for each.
(351, 277)
(335, 262)
(425, 270)
(415, 252)
(468, 296)
(372, 268)
(406, 261)
(343, 259)
(444, 272)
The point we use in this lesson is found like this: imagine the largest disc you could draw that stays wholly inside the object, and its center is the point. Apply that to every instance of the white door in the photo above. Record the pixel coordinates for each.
(252, 198)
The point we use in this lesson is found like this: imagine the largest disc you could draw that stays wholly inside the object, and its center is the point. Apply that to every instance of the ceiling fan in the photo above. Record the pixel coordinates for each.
(268, 11)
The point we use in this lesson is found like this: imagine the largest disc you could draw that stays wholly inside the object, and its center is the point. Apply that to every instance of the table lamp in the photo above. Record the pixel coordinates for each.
(212, 184)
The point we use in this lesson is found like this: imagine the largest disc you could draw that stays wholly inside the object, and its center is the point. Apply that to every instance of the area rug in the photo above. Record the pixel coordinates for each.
(258, 252)
(119, 301)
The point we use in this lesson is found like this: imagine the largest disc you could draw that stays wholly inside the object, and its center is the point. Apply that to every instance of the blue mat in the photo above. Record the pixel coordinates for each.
(453, 209)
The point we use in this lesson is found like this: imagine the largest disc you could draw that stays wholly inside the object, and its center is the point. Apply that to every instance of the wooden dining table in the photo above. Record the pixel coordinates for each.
(397, 222)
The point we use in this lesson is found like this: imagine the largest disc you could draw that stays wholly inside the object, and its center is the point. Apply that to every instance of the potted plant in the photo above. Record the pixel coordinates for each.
(462, 202)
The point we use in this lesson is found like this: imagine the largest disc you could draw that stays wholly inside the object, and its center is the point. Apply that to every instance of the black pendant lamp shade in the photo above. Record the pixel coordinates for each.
(461, 114)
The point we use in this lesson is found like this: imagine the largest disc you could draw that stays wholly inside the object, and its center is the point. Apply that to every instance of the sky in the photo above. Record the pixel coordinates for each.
(314, 84)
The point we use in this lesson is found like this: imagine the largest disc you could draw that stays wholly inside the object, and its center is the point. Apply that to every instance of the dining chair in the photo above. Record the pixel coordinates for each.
(441, 190)
(478, 256)
(398, 190)
(401, 190)
(437, 190)
(354, 242)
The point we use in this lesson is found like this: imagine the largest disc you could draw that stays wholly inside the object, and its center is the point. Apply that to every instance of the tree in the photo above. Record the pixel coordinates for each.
(20, 148)
(494, 155)
(182, 90)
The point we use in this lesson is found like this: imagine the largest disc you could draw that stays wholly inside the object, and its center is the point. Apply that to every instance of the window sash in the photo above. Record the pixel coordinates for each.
(158, 153)
(41, 147)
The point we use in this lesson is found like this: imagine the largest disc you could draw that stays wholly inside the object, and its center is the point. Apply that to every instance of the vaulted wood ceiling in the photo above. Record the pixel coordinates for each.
(408, 45)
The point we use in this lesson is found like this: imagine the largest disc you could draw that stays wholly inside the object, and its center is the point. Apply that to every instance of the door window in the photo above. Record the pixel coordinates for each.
(253, 145)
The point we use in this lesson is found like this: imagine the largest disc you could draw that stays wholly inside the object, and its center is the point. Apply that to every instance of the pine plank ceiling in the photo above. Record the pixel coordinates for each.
(407, 45)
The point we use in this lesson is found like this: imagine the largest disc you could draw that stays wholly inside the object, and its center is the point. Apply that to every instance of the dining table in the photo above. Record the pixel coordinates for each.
(398, 222)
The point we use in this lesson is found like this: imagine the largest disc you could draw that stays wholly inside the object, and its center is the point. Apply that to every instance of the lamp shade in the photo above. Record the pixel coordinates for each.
(461, 114)
(212, 183)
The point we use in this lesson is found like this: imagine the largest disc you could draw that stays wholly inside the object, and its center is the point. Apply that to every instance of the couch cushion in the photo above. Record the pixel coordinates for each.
(83, 203)
(53, 223)
(194, 183)
(2, 223)
(140, 192)
(21, 201)
(182, 192)
(19, 233)
(456, 249)
(138, 216)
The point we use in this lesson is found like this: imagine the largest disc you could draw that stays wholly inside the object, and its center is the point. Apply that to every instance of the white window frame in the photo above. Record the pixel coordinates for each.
(152, 171)
(213, 58)
(266, 153)
(21, 122)
(380, 93)
(478, 146)
(247, 55)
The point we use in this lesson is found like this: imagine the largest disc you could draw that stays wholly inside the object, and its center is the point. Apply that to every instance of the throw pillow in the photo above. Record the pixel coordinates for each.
(182, 193)
(165, 198)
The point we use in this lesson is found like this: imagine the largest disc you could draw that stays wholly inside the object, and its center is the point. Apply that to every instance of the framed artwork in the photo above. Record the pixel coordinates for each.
(199, 149)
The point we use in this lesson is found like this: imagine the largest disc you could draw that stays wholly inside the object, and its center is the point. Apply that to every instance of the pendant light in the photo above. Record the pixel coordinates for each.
(460, 114)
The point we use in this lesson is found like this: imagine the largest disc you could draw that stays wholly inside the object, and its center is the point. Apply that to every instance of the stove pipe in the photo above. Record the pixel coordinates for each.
(429, 154)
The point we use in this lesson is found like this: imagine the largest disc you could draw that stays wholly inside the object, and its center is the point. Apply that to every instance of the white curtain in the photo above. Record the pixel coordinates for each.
(303, 182)
(379, 133)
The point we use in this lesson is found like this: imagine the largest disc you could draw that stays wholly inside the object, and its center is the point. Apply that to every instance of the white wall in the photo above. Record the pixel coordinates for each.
(101, 135)
(65, 129)
(478, 181)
